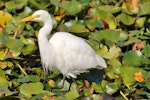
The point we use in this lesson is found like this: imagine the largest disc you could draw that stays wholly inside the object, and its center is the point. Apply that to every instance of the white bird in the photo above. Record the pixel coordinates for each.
(70, 54)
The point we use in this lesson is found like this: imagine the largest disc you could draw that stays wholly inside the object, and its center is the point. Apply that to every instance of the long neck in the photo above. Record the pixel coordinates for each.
(45, 30)
(43, 41)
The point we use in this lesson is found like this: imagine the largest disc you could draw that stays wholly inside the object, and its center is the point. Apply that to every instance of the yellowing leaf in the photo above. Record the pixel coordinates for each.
(138, 76)
(131, 6)
(3, 65)
(58, 18)
(4, 18)
(111, 22)
(51, 83)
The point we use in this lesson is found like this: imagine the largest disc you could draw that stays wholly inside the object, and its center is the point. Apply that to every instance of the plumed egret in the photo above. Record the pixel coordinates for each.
(68, 53)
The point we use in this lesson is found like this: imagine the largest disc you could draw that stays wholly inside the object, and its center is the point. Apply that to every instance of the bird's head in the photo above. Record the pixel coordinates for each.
(38, 16)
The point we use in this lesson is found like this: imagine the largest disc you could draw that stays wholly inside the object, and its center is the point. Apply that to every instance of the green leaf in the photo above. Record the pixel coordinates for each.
(140, 22)
(112, 23)
(14, 44)
(147, 85)
(114, 62)
(84, 2)
(111, 88)
(92, 23)
(75, 26)
(126, 19)
(72, 7)
(111, 72)
(28, 89)
(110, 8)
(10, 5)
(141, 92)
(95, 45)
(29, 49)
(111, 35)
(132, 40)
(55, 2)
(97, 87)
(73, 94)
(28, 78)
(5, 91)
(99, 13)
(146, 50)
(133, 58)
(113, 52)
(144, 8)
(3, 80)
(127, 78)
(127, 75)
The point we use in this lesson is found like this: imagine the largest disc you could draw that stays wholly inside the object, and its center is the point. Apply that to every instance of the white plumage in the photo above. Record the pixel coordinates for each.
(68, 53)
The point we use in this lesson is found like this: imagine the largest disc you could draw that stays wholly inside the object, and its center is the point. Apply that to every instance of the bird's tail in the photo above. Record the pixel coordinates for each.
(101, 62)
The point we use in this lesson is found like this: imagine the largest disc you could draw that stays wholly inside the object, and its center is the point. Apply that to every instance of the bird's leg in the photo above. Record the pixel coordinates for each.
(78, 89)
(62, 85)
(45, 77)
(46, 72)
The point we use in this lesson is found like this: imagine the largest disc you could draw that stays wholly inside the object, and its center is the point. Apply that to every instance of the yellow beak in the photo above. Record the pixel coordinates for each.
(28, 18)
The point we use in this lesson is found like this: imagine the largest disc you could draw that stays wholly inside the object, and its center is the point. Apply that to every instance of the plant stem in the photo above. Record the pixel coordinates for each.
(4, 53)
(123, 95)
(21, 69)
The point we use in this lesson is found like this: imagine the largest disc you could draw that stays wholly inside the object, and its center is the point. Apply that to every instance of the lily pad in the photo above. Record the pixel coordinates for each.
(111, 88)
(113, 52)
(29, 49)
(14, 44)
(3, 80)
(74, 26)
(28, 89)
(73, 94)
(72, 7)
(147, 85)
(4, 18)
(140, 21)
(133, 58)
(126, 19)
(146, 51)
(111, 35)
(144, 8)
(127, 74)
(110, 8)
